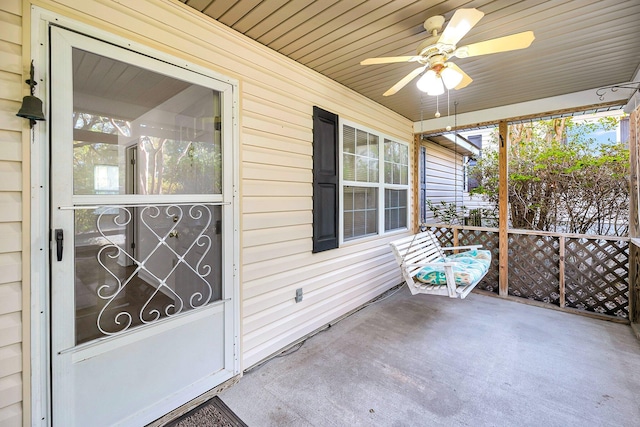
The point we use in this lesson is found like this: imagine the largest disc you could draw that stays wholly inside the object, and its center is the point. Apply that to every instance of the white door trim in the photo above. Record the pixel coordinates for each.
(40, 384)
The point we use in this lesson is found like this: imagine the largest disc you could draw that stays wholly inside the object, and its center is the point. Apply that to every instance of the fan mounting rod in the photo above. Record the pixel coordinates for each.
(430, 46)
(434, 24)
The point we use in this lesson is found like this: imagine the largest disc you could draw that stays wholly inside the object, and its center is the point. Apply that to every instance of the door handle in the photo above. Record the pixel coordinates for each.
(59, 243)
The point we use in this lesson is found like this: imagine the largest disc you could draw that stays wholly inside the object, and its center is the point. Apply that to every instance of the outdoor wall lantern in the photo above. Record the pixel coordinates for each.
(31, 105)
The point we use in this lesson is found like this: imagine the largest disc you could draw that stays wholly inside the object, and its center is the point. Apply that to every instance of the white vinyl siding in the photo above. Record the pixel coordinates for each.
(277, 97)
(444, 176)
(475, 202)
(445, 180)
(11, 286)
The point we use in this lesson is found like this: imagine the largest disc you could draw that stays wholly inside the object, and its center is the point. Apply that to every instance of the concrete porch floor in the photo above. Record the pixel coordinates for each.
(435, 361)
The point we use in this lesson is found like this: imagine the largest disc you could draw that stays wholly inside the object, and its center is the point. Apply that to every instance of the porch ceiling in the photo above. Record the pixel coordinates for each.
(579, 45)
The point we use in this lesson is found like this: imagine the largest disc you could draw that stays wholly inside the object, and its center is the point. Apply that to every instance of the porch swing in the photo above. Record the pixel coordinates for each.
(428, 270)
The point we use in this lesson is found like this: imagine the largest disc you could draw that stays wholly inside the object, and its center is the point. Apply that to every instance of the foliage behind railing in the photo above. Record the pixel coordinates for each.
(582, 272)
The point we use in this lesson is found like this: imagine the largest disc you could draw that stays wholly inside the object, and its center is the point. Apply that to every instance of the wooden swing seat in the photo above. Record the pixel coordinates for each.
(423, 250)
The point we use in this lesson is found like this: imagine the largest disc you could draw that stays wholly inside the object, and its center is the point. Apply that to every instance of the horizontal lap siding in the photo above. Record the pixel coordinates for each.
(276, 256)
(441, 175)
(475, 202)
(276, 106)
(11, 92)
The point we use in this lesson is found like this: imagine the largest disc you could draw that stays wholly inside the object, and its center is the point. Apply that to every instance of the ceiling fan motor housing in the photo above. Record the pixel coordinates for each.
(436, 62)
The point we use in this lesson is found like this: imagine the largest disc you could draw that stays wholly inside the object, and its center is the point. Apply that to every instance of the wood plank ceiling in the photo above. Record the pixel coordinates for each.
(579, 45)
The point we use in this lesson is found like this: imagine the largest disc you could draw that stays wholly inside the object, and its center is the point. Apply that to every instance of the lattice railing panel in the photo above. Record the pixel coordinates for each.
(534, 267)
(596, 268)
(596, 275)
(635, 258)
(444, 235)
(489, 240)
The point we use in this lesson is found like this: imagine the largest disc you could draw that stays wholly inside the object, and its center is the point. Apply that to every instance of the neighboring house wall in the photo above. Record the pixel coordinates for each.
(11, 285)
(441, 178)
(277, 97)
(487, 136)
(445, 179)
(474, 202)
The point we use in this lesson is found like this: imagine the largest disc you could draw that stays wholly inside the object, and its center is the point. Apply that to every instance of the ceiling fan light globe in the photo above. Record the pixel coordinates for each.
(428, 81)
(436, 88)
(450, 77)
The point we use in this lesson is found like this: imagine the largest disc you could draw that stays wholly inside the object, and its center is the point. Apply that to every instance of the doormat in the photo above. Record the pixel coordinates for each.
(212, 413)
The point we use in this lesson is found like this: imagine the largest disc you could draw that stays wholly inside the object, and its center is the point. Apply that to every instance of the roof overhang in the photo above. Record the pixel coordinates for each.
(455, 142)
(588, 101)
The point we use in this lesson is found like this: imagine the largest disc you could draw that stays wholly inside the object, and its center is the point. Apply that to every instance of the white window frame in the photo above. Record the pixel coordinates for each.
(380, 185)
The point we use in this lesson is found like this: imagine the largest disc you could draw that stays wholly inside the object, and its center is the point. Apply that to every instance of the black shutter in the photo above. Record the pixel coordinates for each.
(325, 180)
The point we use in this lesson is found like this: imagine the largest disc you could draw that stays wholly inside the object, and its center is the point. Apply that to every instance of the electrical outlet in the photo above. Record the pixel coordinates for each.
(298, 294)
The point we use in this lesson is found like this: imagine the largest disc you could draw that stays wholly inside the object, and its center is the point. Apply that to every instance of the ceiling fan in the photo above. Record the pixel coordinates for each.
(434, 53)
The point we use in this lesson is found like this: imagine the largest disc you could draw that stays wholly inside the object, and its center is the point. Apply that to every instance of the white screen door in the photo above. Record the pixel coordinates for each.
(142, 285)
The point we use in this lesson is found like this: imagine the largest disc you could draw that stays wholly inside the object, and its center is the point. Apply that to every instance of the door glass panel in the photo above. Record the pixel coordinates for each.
(140, 132)
(137, 265)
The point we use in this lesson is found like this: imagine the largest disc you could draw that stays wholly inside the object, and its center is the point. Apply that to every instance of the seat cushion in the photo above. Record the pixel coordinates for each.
(482, 256)
(470, 267)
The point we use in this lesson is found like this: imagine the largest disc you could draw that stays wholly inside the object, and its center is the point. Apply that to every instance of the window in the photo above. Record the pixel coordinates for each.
(395, 209)
(375, 183)
(396, 172)
(106, 179)
(422, 181)
(360, 211)
(469, 163)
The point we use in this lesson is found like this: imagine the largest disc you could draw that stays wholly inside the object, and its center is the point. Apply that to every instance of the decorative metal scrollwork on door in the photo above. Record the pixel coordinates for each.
(157, 262)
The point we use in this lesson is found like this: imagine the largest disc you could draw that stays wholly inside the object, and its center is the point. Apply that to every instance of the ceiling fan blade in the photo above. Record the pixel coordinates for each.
(406, 79)
(465, 77)
(389, 60)
(501, 44)
(461, 22)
